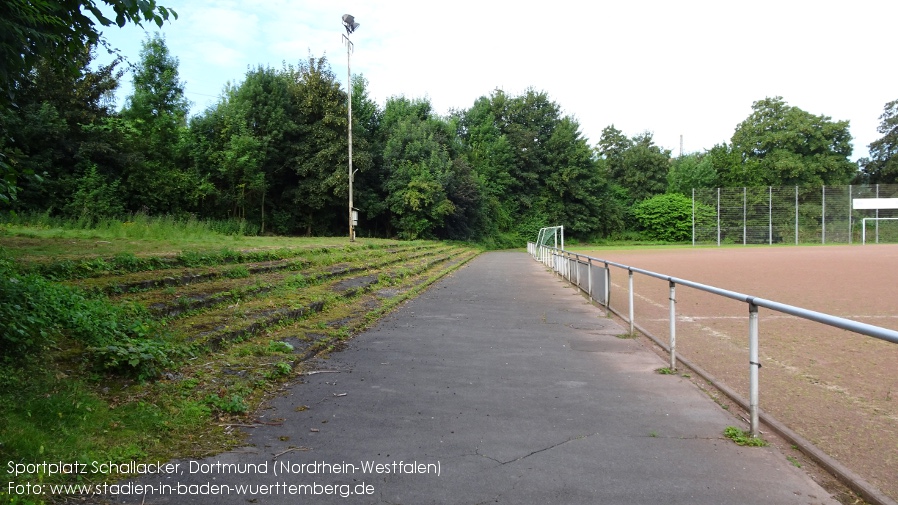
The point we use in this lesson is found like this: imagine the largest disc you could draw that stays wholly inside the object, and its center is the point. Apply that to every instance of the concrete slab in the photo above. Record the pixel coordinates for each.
(501, 385)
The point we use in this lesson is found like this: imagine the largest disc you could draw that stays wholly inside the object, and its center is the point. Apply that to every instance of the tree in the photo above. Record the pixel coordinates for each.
(57, 130)
(58, 31)
(781, 145)
(691, 171)
(158, 110)
(416, 158)
(882, 166)
(318, 147)
(637, 165)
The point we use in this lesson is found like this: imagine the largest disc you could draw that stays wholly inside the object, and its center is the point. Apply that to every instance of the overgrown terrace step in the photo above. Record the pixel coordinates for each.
(98, 266)
(149, 280)
(218, 327)
(312, 335)
(231, 290)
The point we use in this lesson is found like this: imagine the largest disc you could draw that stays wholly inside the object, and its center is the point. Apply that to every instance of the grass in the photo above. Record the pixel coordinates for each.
(58, 405)
(742, 438)
(40, 236)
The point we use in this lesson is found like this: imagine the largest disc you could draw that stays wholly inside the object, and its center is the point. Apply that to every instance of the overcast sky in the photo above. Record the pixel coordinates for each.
(687, 67)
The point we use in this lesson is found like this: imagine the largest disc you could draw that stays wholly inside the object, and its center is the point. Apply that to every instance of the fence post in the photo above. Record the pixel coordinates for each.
(632, 332)
(589, 278)
(693, 217)
(877, 215)
(718, 217)
(823, 213)
(744, 215)
(673, 325)
(770, 215)
(850, 205)
(607, 286)
(754, 365)
(796, 215)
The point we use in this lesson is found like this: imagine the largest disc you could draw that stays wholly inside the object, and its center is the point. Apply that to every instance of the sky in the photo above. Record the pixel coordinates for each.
(690, 68)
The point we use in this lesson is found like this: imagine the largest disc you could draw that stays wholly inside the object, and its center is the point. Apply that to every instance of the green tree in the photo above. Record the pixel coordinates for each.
(637, 165)
(318, 147)
(58, 31)
(782, 145)
(491, 157)
(691, 171)
(417, 160)
(56, 130)
(158, 110)
(882, 166)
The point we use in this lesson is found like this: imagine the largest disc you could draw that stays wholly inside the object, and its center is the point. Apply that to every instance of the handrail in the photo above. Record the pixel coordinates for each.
(560, 261)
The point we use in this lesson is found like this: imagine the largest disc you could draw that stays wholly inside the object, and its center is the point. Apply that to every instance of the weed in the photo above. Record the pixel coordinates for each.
(742, 438)
(233, 405)
(653, 434)
(794, 461)
(238, 272)
(666, 371)
(278, 346)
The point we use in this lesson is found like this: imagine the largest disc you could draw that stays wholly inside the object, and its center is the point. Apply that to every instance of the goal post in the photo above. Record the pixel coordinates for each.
(550, 236)
(877, 220)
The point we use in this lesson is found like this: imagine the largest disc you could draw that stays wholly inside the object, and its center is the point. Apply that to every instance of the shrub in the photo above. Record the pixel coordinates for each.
(35, 312)
(668, 217)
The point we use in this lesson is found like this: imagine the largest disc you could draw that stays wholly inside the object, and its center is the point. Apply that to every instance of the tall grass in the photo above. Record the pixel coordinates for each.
(135, 227)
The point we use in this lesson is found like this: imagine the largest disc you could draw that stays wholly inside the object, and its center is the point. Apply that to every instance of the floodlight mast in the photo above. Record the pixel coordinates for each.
(350, 25)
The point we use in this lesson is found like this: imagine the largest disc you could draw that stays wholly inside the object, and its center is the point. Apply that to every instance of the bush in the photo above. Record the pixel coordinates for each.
(668, 217)
(35, 312)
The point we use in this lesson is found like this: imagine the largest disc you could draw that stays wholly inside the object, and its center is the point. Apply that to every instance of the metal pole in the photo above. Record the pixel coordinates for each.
(770, 215)
(744, 217)
(877, 215)
(849, 214)
(589, 277)
(632, 331)
(718, 217)
(607, 286)
(693, 217)
(349, 48)
(864, 231)
(673, 325)
(796, 215)
(823, 218)
(754, 365)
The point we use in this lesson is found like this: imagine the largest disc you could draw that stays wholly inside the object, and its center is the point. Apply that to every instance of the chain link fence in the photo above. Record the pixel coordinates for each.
(796, 214)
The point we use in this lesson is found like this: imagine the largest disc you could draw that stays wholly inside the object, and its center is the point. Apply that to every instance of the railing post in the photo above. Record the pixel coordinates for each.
(754, 365)
(673, 325)
(607, 286)
(632, 332)
(589, 278)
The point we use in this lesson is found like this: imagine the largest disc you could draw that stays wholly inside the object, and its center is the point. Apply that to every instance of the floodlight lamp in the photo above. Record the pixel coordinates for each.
(349, 23)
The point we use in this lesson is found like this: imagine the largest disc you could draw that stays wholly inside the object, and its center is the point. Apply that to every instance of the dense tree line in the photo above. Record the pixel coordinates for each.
(273, 152)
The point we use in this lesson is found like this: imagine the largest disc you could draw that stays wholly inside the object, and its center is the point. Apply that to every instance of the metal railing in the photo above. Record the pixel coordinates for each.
(561, 262)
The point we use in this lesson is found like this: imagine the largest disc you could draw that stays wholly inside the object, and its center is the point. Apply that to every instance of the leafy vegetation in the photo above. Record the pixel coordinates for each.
(269, 156)
(159, 369)
(740, 437)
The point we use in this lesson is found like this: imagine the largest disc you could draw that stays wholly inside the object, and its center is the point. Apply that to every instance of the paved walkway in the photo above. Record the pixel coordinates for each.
(500, 384)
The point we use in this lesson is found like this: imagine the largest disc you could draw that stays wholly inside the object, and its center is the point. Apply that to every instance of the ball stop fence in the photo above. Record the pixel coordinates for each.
(794, 214)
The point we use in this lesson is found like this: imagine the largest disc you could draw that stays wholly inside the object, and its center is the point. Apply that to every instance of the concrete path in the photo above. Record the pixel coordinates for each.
(500, 384)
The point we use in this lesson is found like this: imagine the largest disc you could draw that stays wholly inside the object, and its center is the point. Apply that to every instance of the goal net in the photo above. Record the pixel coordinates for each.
(551, 236)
